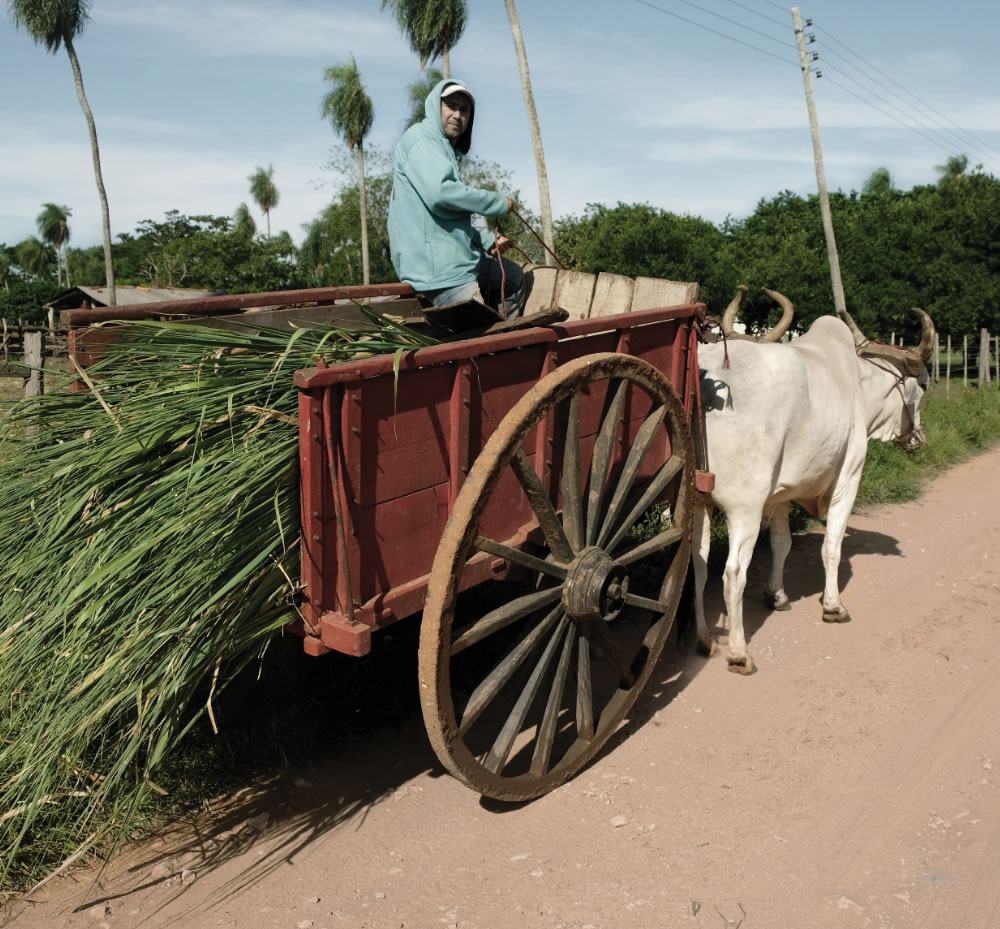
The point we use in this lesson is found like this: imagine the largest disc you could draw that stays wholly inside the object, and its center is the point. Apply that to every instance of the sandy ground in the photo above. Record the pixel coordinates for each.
(852, 782)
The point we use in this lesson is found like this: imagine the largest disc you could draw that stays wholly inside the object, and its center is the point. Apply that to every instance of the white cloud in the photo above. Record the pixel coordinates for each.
(229, 28)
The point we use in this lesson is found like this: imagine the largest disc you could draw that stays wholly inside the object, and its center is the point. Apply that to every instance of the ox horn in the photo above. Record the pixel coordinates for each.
(787, 313)
(859, 336)
(927, 336)
(729, 317)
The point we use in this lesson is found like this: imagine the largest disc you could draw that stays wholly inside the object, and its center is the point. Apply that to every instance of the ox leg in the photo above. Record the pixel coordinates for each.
(781, 544)
(743, 534)
(836, 525)
(699, 561)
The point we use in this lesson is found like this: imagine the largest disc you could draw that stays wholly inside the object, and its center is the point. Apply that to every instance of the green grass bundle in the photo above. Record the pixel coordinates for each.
(148, 545)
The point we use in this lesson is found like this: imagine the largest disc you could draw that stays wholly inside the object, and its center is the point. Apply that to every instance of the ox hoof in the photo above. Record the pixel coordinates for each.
(836, 616)
(710, 650)
(777, 601)
(742, 665)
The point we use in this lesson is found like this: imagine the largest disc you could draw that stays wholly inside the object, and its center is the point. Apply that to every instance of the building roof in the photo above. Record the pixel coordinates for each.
(126, 295)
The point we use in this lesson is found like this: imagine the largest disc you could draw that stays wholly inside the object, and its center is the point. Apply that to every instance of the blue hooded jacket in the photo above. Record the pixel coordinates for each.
(433, 242)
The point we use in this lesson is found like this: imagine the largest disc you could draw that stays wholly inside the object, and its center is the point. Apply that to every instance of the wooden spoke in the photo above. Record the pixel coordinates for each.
(636, 456)
(644, 603)
(541, 692)
(603, 448)
(503, 616)
(584, 691)
(572, 494)
(605, 643)
(542, 757)
(659, 542)
(494, 682)
(498, 754)
(540, 503)
(663, 477)
(516, 556)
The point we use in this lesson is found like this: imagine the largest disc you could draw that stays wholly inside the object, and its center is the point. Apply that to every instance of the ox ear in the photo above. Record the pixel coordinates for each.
(927, 334)
(729, 317)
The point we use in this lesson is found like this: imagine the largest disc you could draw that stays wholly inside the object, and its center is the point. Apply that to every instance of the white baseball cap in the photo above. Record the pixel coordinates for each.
(455, 88)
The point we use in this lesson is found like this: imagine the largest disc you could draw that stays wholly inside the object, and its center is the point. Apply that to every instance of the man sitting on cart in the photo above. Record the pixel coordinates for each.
(435, 247)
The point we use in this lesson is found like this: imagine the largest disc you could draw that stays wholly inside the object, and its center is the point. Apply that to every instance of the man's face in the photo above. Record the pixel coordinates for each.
(456, 111)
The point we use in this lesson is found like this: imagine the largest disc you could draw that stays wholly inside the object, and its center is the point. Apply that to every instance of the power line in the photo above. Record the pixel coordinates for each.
(750, 9)
(906, 113)
(909, 92)
(734, 22)
(848, 90)
(692, 22)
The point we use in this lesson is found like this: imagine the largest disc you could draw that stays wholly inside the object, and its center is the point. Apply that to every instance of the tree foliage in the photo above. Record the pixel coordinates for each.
(264, 192)
(417, 94)
(432, 27)
(51, 22)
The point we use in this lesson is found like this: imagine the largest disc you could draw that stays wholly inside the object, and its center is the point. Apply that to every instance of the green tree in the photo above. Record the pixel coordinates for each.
(952, 169)
(243, 221)
(5, 271)
(34, 258)
(417, 93)
(350, 110)
(55, 23)
(432, 27)
(536, 132)
(639, 240)
(264, 192)
(879, 182)
(53, 227)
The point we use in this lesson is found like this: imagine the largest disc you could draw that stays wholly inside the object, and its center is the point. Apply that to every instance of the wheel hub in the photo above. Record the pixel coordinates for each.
(595, 587)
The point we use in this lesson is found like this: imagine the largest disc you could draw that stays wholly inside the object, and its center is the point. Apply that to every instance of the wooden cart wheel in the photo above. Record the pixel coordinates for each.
(521, 691)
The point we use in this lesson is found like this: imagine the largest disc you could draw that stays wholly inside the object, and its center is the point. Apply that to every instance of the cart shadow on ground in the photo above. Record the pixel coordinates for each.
(368, 709)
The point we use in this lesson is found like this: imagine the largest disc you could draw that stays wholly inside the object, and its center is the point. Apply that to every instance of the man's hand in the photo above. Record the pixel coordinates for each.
(502, 244)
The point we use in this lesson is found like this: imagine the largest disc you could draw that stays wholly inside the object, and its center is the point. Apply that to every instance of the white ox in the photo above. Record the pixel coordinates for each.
(790, 422)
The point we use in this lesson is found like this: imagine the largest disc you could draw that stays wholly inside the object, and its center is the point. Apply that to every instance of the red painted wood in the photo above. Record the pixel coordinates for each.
(405, 445)
(226, 303)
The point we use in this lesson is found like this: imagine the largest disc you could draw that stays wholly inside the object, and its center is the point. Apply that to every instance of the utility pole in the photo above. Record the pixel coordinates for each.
(824, 200)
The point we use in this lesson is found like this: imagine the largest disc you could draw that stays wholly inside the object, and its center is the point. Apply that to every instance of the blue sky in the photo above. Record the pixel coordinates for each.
(635, 104)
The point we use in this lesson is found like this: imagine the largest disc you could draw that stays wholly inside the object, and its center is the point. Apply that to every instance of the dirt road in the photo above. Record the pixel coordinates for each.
(852, 782)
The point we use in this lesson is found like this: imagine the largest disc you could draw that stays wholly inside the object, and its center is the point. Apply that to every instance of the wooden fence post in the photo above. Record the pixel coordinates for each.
(34, 359)
(996, 357)
(936, 367)
(965, 361)
(5, 345)
(984, 358)
(892, 339)
(947, 370)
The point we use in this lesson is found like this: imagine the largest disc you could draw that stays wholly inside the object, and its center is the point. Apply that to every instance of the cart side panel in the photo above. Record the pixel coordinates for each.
(405, 439)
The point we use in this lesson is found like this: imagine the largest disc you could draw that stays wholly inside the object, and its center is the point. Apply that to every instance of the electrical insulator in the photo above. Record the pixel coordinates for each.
(809, 22)
(819, 74)
(811, 37)
(815, 56)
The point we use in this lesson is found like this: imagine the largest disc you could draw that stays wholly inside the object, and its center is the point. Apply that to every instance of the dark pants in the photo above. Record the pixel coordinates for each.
(486, 288)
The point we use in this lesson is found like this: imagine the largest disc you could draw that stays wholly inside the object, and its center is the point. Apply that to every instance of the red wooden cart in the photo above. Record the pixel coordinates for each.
(530, 492)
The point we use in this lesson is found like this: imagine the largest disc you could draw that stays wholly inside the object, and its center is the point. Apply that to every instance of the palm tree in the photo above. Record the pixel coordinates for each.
(54, 229)
(5, 272)
(262, 189)
(433, 27)
(34, 257)
(879, 182)
(350, 110)
(418, 91)
(53, 23)
(243, 222)
(536, 132)
(952, 169)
